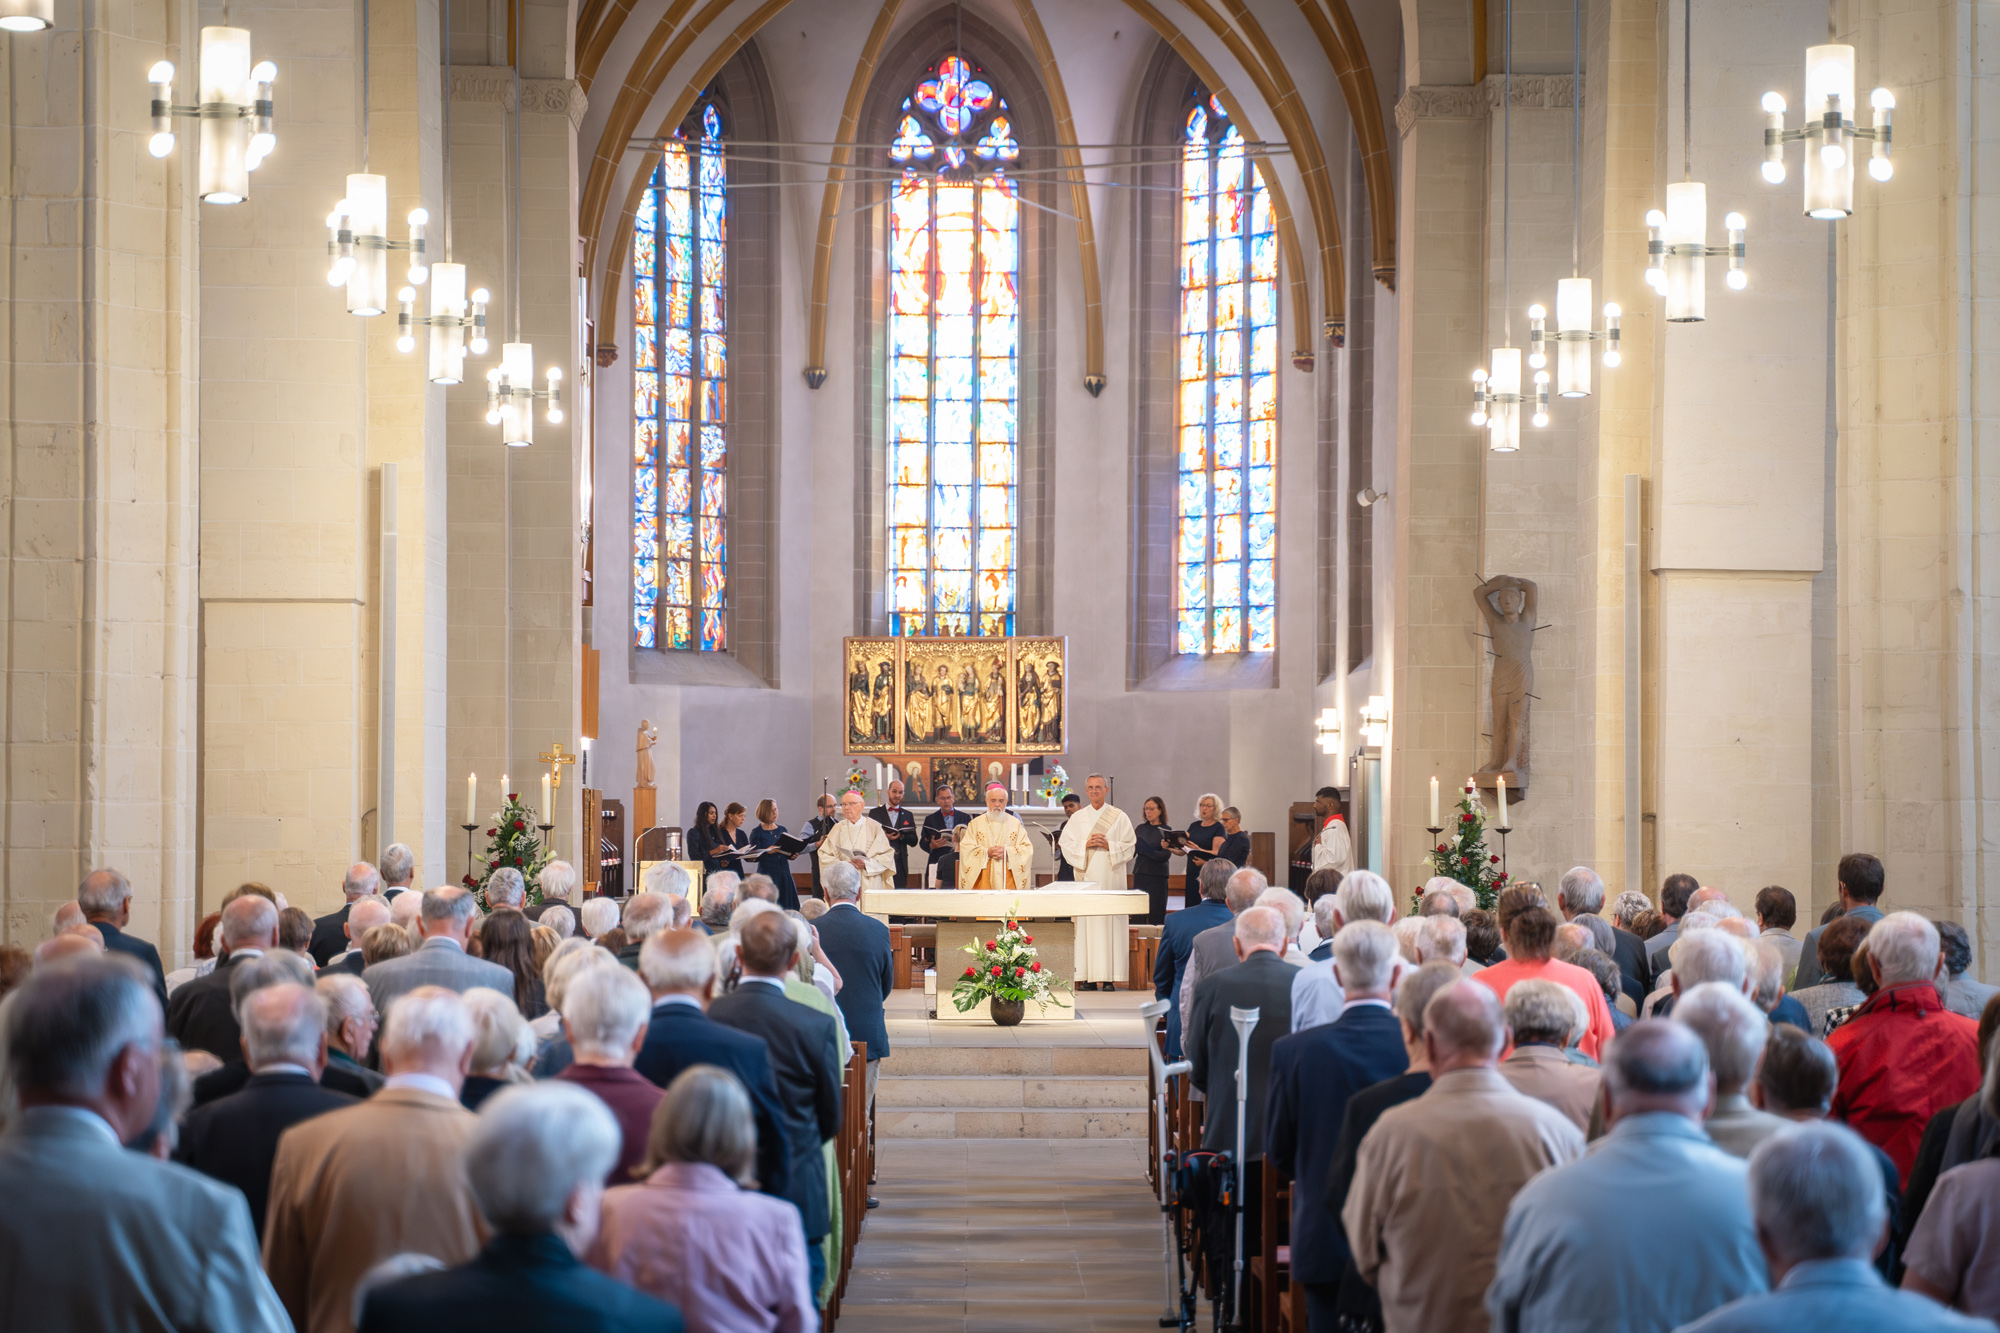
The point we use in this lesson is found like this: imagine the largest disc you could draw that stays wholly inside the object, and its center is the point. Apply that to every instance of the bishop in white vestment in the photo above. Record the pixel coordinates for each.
(859, 841)
(1098, 840)
(994, 830)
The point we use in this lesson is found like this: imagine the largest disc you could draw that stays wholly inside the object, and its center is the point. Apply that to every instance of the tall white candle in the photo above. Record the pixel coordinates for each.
(548, 806)
(503, 789)
(1502, 789)
(472, 798)
(1434, 801)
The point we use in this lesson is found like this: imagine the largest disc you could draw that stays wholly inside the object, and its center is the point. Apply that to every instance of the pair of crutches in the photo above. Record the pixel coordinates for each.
(1245, 1022)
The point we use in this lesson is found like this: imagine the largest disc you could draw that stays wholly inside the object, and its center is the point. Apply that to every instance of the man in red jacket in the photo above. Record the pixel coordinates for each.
(1903, 1056)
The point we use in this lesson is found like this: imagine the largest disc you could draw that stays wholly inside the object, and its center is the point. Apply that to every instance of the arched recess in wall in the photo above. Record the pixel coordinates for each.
(749, 657)
(1012, 74)
(1169, 92)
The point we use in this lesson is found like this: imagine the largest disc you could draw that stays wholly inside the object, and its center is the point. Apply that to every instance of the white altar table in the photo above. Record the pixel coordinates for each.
(959, 915)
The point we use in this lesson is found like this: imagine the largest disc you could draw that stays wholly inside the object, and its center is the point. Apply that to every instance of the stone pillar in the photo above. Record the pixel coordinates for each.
(97, 607)
(515, 632)
(1917, 510)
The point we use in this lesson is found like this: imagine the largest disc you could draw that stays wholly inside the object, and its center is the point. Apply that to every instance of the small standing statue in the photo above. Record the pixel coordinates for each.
(1508, 604)
(649, 735)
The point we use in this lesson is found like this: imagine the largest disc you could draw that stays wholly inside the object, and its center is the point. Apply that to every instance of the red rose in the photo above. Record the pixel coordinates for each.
(1027, 939)
(511, 797)
(518, 824)
(1034, 967)
(1465, 818)
(1012, 926)
(1494, 859)
(996, 969)
(990, 944)
(493, 833)
(470, 880)
(972, 971)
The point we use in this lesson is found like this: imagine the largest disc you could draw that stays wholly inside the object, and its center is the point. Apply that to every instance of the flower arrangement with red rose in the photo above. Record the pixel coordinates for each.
(514, 841)
(1005, 967)
(1464, 856)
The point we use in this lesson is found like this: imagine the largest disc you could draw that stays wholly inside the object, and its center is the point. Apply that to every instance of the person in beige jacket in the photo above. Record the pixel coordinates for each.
(355, 1186)
(1435, 1175)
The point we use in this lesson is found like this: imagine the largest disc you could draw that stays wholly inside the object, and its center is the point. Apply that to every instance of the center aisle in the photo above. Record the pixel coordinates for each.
(1008, 1236)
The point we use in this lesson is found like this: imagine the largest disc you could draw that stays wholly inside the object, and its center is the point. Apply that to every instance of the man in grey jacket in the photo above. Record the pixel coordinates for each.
(93, 1236)
(442, 961)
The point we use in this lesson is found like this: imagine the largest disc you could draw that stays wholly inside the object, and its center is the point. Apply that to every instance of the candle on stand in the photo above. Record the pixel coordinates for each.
(1502, 791)
(503, 789)
(1434, 801)
(472, 798)
(548, 805)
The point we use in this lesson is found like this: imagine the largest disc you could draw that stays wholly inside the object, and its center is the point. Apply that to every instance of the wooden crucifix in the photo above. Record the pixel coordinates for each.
(555, 759)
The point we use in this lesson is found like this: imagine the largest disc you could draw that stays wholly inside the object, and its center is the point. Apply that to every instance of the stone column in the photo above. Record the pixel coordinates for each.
(97, 607)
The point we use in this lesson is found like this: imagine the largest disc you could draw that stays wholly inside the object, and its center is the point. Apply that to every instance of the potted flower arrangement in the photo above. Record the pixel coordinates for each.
(857, 778)
(1055, 785)
(1006, 971)
(516, 843)
(1464, 856)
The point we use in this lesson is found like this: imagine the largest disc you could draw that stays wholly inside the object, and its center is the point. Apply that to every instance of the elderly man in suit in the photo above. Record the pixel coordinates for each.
(1215, 948)
(535, 1161)
(678, 967)
(560, 888)
(1817, 1200)
(362, 916)
(398, 868)
(1542, 1016)
(235, 1138)
(1177, 939)
(1433, 1178)
(442, 960)
(201, 1015)
(105, 898)
(1581, 893)
(858, 947)
(354, 1186)
(1262, 980)
(1571, 1256)
(279, 967)
(328, 937)
(805, 1057)
(93, 1236)
(1313, 1074)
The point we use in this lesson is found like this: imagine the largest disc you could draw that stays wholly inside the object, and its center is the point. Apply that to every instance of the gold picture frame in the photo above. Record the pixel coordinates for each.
(955, 696)
(1040, 696)
(872, 716)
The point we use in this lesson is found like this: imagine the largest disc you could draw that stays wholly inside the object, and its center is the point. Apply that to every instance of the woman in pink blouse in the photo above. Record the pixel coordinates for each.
(694, 1231)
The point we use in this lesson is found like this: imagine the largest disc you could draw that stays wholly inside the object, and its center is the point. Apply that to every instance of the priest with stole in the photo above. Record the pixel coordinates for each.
(862, 843)
(995, 853)
(1098, 840)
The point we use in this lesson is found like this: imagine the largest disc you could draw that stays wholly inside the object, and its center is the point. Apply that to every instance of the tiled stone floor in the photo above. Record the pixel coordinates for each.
(1008, 1236)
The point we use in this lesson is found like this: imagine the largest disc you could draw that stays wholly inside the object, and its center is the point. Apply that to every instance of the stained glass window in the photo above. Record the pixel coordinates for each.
(1226, 546)
(680, 376)
(954, 344)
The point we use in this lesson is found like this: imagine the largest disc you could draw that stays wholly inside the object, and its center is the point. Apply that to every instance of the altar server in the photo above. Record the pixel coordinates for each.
(1333, 848)
(1098, 840)
(995, 852)
(859, 841)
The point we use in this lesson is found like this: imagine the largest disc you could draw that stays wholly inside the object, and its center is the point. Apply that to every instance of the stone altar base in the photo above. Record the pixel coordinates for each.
(1082, 1079)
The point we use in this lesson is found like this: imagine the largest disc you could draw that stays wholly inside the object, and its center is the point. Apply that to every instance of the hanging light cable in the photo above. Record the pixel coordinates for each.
(1574, 333)
(1677, 248)
(356, 230)
(1497, 389)
(455, 323)
(510, 391)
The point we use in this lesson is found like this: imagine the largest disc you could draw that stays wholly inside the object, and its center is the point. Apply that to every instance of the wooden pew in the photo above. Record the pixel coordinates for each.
(853, 1156)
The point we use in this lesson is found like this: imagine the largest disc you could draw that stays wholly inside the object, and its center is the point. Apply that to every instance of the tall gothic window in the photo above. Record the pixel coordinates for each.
(1227, 507)
(954, 344)
(680, 553)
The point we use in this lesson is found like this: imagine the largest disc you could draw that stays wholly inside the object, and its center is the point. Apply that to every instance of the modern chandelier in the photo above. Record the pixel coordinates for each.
(27, 15)
(510, 391)
(1574, 332)
(1497, 389)
(234, 111)
(1677, 248)
(456, 323)
(1828, 129)
(356, 230)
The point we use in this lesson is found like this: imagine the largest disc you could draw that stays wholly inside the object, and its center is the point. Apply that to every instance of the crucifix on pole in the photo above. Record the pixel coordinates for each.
(555, 759)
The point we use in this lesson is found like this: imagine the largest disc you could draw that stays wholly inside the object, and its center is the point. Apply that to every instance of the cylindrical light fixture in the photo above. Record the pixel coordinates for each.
(447, 354)
(1685, 262)
(1829, 133)
(224, 172)
(506, 406)
(1573, 315)
(27, 15)
(368, 220)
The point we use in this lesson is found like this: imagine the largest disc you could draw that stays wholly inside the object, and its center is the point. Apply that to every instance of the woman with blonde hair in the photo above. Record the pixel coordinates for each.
(694, 1232)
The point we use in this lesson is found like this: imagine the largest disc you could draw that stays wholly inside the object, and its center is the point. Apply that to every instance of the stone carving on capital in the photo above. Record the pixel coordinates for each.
(1470, 101)
(495, 83)
(1507, 603)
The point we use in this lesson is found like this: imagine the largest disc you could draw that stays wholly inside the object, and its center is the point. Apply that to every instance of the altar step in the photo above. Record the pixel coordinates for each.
(1013, 1092)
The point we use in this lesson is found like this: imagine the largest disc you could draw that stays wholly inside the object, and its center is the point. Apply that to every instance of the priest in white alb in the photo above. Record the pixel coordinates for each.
(859, 841)
(1098, 840)
(995, 853)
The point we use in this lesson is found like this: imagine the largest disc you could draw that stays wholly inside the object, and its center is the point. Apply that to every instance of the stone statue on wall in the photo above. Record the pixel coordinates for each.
(649, 735)
(1508, 605)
